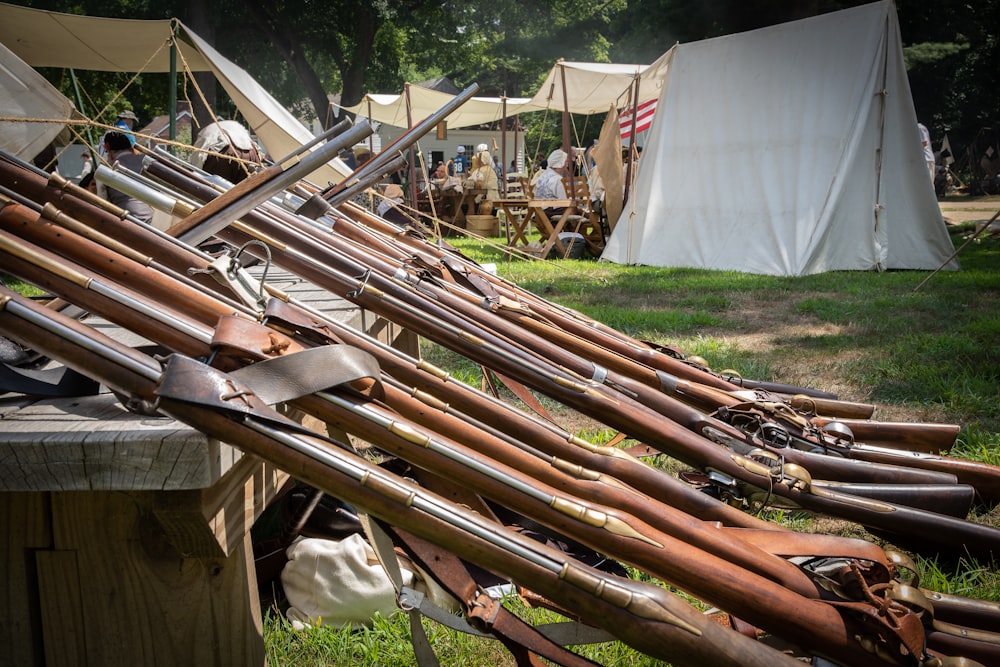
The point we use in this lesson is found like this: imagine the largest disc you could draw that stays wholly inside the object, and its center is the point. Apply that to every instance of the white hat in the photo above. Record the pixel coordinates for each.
(461, 149)
(482, 147)
(557, 159)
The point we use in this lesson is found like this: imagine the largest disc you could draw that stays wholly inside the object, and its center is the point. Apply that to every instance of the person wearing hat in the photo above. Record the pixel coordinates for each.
(127, 121)
(459, 165)
(482, 176)
(550, 184)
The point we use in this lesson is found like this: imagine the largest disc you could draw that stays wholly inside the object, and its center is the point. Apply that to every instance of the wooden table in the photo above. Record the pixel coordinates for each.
(519, 227)
(449, 205)
(127, 538)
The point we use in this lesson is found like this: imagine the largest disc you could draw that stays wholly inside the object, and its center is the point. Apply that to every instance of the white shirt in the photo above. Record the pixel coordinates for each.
(550, 185)
(925, 141)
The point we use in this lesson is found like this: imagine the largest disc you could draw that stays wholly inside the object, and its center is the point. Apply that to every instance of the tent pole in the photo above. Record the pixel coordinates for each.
(503, 145)
(631, 136)
(517, 130)
(878, 208)
(567, 144)
(412, 174)
(172, 104)
(371, 137)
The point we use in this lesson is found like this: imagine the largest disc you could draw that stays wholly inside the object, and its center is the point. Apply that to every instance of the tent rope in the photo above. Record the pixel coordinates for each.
(132, 80)
(72, 123)
(189, 76)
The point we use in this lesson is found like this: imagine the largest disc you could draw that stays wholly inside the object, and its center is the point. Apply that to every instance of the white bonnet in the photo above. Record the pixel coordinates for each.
(557, 159)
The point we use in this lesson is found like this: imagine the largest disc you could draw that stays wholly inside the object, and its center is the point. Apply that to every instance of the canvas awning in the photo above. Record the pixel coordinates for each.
(392, 109)
(590, 88)
(51, 39)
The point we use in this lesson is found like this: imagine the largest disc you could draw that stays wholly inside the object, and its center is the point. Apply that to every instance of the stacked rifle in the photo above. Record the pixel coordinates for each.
(233, 350)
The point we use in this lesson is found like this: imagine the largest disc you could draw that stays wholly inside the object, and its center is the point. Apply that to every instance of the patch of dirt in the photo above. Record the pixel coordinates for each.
(957, 210)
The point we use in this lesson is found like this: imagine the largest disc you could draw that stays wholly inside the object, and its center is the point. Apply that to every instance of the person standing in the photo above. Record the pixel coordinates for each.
(484, 177)
(925, 144)
(459, 165)
(86, 169)
(118, 149)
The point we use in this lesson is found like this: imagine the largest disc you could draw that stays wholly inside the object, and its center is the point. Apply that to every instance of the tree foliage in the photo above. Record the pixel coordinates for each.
(305, 49)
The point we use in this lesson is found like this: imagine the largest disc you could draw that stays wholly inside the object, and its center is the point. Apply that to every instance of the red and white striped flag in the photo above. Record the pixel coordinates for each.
(644, 114)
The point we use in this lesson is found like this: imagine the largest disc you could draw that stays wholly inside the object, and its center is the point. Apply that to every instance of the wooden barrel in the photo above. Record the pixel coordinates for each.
(483, 225)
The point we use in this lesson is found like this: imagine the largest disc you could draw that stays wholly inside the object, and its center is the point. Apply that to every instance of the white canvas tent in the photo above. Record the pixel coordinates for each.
(590, 89)
(51, 39)
(776, 152)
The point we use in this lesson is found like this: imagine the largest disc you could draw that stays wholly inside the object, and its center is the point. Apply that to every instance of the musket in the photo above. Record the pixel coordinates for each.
(166, 315)
(462, 316)
(140, 277)
(706, 397)
(409, 435)
(830, 500)
(643, 615)
(930, 438)
(406, 434)
(985, 478)
(833, 462)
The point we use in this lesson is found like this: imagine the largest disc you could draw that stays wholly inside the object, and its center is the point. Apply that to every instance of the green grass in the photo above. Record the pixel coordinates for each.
(386, 642)
(937, 347)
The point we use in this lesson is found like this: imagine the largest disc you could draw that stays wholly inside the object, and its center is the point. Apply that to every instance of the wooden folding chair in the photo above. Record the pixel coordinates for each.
(590, 227)
(514, 210)
(549, 229)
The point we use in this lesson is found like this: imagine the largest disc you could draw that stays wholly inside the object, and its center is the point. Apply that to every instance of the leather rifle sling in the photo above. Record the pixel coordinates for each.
(520, 638)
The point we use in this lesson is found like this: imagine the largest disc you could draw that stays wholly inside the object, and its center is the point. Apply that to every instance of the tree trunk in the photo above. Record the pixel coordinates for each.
(200, 21)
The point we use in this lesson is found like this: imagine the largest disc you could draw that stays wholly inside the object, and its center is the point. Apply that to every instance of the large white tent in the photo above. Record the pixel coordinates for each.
(788, 150)
(50, 39)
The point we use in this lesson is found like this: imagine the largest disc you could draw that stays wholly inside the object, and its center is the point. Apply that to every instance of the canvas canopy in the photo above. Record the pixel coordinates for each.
(392, 109)
(788, 150)
(50, 39)
(590, 89)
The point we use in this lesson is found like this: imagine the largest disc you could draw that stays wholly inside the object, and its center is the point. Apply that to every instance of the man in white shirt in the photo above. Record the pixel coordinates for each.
(925, 143)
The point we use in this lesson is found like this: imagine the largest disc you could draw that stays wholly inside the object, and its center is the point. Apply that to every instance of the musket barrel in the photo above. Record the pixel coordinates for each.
(403, 141)
(258, 188)
(158, 199)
